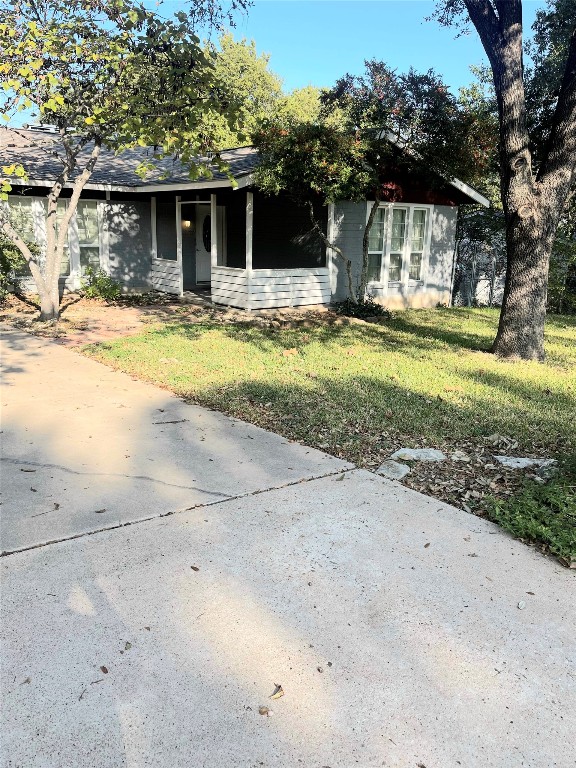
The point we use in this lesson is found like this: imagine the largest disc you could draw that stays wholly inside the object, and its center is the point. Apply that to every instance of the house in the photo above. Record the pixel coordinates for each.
(172, 234)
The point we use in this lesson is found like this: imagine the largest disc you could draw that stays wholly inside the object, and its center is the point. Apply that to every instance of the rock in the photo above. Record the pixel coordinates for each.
(393, 470)
(517, 462)
(459, 456)
(419, 454)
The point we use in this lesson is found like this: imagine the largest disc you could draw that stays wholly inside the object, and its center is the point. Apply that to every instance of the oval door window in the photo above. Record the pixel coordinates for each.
(207, 233)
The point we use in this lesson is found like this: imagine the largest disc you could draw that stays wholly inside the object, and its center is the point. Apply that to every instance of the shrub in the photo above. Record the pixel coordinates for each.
(362, 309)
(98, 284)
(12, 265)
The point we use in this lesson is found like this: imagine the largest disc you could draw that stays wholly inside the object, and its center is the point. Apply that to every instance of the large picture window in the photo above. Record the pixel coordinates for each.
(397, 244)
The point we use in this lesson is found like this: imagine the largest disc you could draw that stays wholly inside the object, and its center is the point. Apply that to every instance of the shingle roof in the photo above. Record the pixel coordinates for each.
(39, 151)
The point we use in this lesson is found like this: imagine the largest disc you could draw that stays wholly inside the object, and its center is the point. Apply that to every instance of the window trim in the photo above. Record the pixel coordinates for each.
(385, 283)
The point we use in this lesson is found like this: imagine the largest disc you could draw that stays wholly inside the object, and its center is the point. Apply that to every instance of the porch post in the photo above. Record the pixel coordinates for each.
(249, 231)
(179, 245)
(213, 233)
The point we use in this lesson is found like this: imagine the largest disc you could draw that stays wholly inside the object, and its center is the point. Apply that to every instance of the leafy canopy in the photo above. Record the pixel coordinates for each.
(116, 72)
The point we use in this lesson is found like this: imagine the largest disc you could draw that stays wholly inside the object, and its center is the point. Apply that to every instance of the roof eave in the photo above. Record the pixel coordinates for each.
(172, 187)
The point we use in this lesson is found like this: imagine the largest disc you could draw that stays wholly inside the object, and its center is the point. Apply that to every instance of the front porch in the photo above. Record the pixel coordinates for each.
(273, 262)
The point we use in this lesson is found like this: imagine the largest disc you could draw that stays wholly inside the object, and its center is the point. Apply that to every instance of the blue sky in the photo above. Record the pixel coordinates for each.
(316, 41)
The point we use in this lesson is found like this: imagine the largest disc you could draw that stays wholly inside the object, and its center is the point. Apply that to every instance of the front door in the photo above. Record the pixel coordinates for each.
(203, 243)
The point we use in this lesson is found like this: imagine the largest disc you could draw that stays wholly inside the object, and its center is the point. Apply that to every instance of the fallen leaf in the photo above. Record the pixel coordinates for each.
(426, 545)
(33, 490)
(278, 692)
(25, 682)
(104, 670)
(99, 511)
(56, 506)
(194, 567)
(264, 711)
(530, 593)
(22, 469)
(127, 646)
(148, 628)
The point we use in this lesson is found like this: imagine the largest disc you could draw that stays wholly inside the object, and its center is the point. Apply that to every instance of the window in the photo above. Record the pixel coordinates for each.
(88, 235)
(397, 238)
(397, 242)
(376, 238)
(417, 250)
(22, 213)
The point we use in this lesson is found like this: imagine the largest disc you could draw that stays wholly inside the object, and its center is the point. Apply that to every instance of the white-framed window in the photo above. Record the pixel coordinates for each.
(398, 243)
(89, 240)
(27, 216)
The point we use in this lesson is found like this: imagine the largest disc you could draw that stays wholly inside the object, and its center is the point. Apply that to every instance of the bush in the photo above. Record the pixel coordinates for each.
(12, 265)
(362, 309)
(544, 515)
(98, 284)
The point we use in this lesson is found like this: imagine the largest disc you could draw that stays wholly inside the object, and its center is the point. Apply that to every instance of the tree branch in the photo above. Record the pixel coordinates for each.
(559, 166)
(9, 230)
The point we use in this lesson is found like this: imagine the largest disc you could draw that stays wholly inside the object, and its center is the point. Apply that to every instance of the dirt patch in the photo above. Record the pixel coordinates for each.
(89, 321)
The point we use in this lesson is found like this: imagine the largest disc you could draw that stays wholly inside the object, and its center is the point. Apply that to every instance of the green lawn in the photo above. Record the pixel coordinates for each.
(360, 391)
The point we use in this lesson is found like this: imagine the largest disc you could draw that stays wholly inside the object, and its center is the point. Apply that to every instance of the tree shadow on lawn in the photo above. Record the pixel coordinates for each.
(366, 414)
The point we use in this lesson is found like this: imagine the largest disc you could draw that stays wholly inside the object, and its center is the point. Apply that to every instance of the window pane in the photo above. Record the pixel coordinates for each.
(415, 271)
(395, 271)
(376, 235)
(398, 229)
(21, 218)
(87, 217)
(89, 257)
(374, 267)
(418, 230)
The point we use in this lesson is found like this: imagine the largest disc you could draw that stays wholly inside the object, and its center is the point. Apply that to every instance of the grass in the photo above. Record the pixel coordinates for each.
(359, 391)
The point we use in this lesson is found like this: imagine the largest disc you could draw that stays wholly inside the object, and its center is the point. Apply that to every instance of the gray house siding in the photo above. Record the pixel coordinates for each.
(442, 254)
(127, 226)
(347, 234)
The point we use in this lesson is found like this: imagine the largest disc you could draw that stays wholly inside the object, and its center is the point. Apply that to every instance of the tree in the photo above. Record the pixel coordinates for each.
(247, 83)
(302, 105)
(106, 73)
(537, 170)
(388, 124)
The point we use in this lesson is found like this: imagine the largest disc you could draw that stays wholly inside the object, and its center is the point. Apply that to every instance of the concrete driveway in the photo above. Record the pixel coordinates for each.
(146, 638)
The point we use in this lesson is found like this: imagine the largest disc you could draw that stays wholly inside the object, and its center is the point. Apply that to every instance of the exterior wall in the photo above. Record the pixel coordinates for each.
(124, 243)
(128, 231)
(348, 232)
(165, 269)
(270, 288)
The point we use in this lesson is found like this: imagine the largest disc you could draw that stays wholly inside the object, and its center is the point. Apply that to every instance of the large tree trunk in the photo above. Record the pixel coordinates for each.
(521, 327)
(532, 203)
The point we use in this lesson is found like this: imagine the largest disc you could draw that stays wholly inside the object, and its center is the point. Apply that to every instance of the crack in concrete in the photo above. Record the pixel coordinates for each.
(113, 474)
(7, 553)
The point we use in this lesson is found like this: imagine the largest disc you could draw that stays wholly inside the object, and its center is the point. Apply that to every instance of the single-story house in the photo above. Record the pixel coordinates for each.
(172, 234)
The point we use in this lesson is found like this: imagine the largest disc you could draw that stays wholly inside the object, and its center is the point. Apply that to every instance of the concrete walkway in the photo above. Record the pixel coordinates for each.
(391, 620)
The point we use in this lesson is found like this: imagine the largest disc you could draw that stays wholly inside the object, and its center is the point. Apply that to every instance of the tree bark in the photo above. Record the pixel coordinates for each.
(532, 203)
(365, 240)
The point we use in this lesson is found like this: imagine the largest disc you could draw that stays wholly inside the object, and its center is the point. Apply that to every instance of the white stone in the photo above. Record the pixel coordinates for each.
(419, 454)
(459, 456)
(393, 470)
(517, 462)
